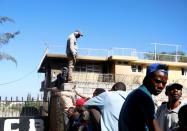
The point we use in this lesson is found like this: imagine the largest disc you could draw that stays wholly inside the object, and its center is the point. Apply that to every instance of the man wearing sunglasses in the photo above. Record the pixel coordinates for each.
(138, 110)
(167, 113)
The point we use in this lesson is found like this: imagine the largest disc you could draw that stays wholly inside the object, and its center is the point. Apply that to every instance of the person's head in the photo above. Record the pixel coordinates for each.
(64, 70)
(64, 73)
(156, 78)
(71, 111)
(98, 91)
(182, 115)
(76, 114)
(119, 86)
(79, 104)
(174, 91)
(78, 34)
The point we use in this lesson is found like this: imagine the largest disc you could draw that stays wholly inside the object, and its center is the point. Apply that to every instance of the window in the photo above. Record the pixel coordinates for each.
(122, 62)
(184, 71)
(136, 68)
(81, 67)
(139, 68)
(133, 67)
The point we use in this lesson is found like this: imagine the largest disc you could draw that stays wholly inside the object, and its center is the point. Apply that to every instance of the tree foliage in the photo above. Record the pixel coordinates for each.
(5, 38)
(4, 19)
(167, 56)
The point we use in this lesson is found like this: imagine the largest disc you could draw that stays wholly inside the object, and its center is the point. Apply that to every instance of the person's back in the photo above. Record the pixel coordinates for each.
(109, 103)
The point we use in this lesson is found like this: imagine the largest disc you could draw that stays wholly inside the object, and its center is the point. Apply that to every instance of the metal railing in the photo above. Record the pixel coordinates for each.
(120, 52)
(17, 108)
(94, 52)
(161, 57)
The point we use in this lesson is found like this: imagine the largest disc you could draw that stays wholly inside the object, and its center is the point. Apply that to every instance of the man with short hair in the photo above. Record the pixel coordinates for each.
(138, 110)
(119, 86)
(71, 51)
(167, 113)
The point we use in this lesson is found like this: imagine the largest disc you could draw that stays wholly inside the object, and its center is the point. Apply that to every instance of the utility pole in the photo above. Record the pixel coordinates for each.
(155, 49)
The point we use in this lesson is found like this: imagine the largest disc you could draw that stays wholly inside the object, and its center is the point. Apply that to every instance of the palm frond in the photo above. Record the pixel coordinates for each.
(4, 19)
(5, 37)
(7, 57)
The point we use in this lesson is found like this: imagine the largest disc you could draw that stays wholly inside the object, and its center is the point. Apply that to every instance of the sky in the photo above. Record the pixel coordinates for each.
(104, 23)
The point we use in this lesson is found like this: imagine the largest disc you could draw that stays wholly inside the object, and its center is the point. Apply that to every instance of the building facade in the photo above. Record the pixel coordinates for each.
(118, 64)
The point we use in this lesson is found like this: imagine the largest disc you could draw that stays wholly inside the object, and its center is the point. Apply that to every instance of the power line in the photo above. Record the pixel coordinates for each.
(19, 79)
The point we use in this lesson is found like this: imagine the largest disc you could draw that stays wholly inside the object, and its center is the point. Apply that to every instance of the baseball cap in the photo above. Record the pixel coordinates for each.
(155, 67)
(79, 32)
(80, 102)
(174, 86)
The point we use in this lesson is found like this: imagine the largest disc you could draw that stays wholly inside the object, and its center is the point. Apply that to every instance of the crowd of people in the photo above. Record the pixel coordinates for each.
(121, 110)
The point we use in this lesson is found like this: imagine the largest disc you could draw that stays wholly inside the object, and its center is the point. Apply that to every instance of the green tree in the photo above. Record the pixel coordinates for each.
(5, 38)
(167, 56)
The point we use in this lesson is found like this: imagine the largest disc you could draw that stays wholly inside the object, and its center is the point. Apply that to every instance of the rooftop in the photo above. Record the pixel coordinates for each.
(58, 52)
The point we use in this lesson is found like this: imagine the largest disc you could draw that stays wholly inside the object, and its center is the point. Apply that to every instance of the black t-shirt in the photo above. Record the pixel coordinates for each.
(137, 109)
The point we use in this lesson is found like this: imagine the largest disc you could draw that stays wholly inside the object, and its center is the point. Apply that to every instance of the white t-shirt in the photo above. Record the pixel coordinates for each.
(168, 119)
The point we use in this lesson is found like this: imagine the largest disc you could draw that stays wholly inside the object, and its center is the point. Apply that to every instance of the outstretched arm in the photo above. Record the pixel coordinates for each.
(77, 93)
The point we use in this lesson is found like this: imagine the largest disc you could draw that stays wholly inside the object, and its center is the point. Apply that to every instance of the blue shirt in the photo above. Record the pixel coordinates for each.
(110, 104)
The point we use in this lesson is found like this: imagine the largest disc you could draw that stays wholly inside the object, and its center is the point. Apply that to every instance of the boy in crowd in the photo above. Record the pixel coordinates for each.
(167, 113)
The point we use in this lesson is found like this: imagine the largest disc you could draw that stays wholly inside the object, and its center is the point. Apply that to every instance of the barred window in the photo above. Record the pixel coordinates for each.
(89, 67)
(136, 68)
(184, 71)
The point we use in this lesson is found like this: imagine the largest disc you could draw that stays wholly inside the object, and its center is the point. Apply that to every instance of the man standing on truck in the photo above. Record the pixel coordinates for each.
(71, 51)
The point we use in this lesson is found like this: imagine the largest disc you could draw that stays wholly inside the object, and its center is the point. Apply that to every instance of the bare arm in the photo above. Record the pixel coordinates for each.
(156, 125)
(153, 125)
(82, 96)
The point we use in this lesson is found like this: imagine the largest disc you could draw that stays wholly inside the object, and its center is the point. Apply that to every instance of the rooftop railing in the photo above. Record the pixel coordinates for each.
(120, 52)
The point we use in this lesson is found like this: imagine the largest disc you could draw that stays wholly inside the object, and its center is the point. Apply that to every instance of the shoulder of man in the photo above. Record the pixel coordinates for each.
(71, 36)
(162, 107)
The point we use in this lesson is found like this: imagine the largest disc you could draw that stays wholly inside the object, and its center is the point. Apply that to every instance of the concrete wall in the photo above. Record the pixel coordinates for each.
(122, 69)
(87, 88)
(175, 72)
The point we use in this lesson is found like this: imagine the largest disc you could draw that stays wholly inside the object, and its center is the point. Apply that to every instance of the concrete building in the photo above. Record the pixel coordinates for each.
(102, 67)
